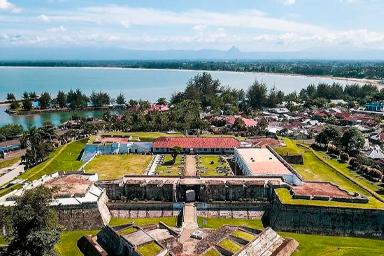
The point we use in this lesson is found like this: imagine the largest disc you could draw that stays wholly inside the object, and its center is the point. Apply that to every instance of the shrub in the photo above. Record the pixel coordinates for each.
(333, 150)
(354, 163)
(344, 157)
(375, 173)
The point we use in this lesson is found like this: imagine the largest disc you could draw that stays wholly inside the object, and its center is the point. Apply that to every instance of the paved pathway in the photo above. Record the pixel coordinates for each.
(190, 165)
(16, 169)
(190, 221)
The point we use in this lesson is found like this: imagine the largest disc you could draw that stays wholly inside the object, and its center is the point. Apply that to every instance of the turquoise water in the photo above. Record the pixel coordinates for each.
(133, 83)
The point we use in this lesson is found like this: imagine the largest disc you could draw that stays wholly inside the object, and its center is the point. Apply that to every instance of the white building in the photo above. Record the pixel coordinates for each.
(262, 162)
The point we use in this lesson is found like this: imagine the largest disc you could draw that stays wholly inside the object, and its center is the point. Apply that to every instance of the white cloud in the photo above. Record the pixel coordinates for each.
(287, 2)
(44, 18)
(57, 29)
(8, 6)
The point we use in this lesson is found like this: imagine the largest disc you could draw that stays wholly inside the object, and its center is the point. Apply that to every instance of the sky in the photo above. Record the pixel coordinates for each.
(250, 25)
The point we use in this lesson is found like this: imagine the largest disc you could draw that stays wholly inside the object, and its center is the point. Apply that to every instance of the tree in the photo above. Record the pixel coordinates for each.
(45, 100)
(11, 97)
(99, 99)
(34, 224)
(61, 99)
(120, 100)
(175, 151)
(162, 101)
(27, 104)
(257, 95)
(328, 135)
(352, 141)
(14, 105)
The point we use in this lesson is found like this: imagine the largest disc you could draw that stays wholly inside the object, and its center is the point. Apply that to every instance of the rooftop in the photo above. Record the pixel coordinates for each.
(69, 185)
(196, 142)
(321, 189)
(261, 161)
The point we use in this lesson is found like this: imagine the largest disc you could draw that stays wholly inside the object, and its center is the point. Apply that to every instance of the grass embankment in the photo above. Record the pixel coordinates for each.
(150, 249)
(210, 163)
(168, 167)
(64, 158)
(170, 221)
(68, 242)
(9, 162)
(144, 136)
(314, 169)
(316, 245)
(115, 166)
(219, 222)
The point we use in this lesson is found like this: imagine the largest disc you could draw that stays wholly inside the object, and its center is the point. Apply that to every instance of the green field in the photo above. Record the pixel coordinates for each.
(168, 168)
(219, 222)
(150, 249)
(212, 252)
(229, 245)
(9, 162)
(170, 221)
(243, 235)
(68, 242)
(2, 241)
(316, 245)
(314, 169)
(210, 163)
(116, 166)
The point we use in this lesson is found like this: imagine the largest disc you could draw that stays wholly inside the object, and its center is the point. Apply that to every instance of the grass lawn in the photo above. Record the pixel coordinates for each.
(168, 168)
(290, 148)
(243, 235)
(218, 222)
(229, 245)
(9, 162)
(150, 249)
(127, 231)
(144, 136)
(212, 252)
(210, 163)
(116, 166)
(68, 242)
(170, 221)
(316, 245)
(343, 168)
(64, 158)
(2, 241)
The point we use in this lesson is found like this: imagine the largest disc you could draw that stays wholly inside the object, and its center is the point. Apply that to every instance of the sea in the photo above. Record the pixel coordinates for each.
(146, 84)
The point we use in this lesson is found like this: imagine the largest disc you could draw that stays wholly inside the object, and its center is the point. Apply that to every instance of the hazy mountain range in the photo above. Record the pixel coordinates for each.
(9, 53)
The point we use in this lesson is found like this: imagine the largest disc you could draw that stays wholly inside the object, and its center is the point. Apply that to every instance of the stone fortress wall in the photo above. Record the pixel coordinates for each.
(325, 220)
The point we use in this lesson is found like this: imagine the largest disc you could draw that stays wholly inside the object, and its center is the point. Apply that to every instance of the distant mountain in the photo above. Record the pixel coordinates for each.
(233, 53)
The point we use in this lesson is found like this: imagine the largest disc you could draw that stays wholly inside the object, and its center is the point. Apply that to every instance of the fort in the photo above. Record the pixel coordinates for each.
(85, 202)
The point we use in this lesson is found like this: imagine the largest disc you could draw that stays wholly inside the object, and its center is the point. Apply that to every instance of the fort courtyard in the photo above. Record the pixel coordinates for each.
(173, 195)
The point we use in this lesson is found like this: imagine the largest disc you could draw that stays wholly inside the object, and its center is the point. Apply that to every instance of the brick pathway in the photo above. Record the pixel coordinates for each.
(190, 165)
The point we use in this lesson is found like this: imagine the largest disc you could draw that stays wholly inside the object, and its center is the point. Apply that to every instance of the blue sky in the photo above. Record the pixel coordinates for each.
(251, 25)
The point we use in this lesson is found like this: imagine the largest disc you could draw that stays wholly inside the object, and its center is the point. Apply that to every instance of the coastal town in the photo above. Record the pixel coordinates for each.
(211, 171)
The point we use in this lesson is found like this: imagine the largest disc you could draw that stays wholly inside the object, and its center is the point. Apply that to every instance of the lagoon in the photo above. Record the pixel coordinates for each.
(148, 84)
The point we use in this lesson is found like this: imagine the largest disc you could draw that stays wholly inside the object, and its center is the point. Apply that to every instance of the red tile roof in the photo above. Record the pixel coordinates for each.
(247, 121)
(195, 142)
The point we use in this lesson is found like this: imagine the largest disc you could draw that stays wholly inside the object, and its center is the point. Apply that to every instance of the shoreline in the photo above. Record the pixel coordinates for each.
(360, 81)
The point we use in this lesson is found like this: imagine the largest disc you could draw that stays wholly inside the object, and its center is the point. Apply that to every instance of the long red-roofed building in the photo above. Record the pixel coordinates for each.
(207, 145)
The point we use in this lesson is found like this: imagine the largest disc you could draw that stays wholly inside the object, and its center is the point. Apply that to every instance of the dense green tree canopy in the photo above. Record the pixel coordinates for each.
(34, 225)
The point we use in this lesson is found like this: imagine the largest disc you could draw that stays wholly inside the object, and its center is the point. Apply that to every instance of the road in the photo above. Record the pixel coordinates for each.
(16, 169)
